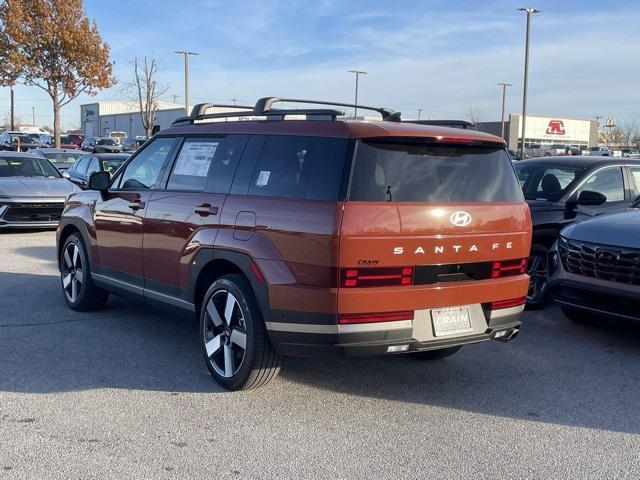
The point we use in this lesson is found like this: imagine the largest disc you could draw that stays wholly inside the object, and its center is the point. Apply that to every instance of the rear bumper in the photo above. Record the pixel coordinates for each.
(314, 339)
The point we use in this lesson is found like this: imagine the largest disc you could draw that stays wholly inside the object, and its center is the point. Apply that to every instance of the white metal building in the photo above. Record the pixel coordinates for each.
(99, 118)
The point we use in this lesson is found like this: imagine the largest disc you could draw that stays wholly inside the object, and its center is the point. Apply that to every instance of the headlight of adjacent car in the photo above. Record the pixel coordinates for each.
(553, 260)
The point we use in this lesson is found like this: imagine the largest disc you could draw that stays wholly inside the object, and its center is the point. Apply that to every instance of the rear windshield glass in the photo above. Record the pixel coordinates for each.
(404, 172)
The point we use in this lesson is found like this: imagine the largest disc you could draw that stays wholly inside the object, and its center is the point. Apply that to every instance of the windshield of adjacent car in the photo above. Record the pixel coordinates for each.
(27, 167)
(422, 172)
(546, 182)
(63, 157)
(106, 141)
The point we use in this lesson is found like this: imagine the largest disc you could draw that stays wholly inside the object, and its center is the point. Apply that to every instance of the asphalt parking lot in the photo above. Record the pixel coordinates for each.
(124, 393)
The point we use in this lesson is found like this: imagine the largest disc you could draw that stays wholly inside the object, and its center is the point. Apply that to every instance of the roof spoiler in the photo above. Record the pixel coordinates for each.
(444, 123)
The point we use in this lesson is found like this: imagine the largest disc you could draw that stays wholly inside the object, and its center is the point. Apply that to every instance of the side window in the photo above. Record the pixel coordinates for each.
(82, 165)
(299, 167)
(143, 172)
(193, 164)
(635, 180)
(607, 182)
(94, 166)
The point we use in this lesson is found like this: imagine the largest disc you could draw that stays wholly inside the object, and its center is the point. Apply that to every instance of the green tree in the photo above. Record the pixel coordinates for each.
(52, 45)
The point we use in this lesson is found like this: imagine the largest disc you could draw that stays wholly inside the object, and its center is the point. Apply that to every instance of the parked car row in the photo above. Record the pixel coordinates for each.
(34, 185)
(563, 190)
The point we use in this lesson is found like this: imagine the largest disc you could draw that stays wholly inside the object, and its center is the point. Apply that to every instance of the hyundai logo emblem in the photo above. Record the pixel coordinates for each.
(605, 258)
(460, 218)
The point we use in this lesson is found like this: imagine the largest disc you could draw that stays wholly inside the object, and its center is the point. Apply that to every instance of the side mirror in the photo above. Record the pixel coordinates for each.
(587, 197)
(99, 181)
(66, 175)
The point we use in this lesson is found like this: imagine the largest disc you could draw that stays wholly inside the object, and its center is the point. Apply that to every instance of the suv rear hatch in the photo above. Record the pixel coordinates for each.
(426, 225)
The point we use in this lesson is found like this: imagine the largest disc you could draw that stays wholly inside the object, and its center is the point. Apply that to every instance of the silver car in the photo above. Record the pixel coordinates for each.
(32, 191)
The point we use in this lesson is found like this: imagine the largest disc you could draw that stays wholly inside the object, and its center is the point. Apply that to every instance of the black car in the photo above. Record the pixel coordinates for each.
(61, 158)
(80, 171)
(101, 145)
(595, 268)
(562, 190)
(15, 141)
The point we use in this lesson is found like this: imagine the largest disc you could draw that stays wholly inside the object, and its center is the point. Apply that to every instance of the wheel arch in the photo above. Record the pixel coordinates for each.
(212, 264)
(70, 227)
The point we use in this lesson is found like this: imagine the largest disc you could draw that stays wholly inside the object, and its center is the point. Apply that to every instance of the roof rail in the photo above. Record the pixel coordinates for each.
(198, 112)
(264, 105)
(263, 108)
(444, 123)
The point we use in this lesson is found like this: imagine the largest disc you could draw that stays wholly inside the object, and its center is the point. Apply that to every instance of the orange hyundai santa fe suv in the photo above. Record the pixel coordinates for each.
(295, 232)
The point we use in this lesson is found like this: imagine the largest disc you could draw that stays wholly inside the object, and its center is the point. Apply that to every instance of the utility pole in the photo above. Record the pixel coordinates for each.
(529, 11)
(235, 101)
(357, 73)
(504, 101)
(13, 125)
(186, 54)
(175, 98)
(419, 113)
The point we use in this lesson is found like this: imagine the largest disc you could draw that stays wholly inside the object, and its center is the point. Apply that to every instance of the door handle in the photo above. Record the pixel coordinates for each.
(205, 210)
(136, 205)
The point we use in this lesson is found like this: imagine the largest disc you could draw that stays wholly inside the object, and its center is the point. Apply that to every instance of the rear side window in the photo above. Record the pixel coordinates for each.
(300, 167)
(407, 172)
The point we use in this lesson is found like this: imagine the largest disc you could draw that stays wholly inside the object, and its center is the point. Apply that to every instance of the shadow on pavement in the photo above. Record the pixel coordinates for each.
(555, 372)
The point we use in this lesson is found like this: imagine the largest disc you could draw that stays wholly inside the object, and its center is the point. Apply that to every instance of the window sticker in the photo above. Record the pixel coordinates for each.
(195, 159)
(263, 178)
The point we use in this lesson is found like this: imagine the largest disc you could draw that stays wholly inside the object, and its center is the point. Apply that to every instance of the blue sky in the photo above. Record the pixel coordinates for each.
(441, 56)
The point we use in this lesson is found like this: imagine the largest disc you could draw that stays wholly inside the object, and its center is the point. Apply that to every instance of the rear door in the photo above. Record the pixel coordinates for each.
(119, 213)
(184, 214)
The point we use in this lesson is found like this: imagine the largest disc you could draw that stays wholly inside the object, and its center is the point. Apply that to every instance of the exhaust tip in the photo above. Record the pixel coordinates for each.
(506, 335)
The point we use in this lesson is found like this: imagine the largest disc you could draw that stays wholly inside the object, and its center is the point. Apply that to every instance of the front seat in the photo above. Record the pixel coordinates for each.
(550, 186)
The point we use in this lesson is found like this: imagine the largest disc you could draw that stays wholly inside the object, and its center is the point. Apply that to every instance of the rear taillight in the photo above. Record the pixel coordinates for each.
(376, 277)
(508, 268)
(346, 318)
(511, 302)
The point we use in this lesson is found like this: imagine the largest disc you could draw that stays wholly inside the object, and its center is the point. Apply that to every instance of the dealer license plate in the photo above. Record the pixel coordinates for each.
(451, 321)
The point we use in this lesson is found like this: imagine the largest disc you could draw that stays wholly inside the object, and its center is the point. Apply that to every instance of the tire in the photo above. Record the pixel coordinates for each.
(580, 317)
(229, 319)
(538, 270)
(436, 354)
(79, 291)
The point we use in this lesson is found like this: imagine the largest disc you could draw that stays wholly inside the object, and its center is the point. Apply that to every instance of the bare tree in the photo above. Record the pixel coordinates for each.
(474, 115)
(146, 91)
(612, 137)
(630, 129)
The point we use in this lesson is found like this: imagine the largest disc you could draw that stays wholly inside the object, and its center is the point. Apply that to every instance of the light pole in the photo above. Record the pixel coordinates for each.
(529, 11)
(357, 73)
(13, 125)
(33, 116)
(186, 54)
(419, 113)
(504, 101)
